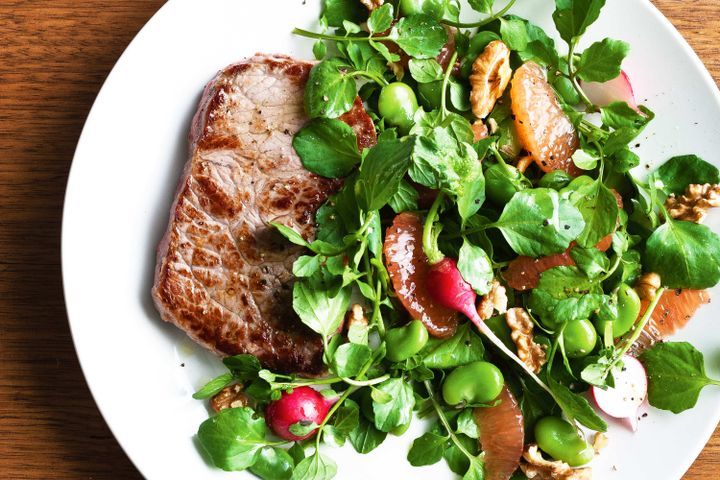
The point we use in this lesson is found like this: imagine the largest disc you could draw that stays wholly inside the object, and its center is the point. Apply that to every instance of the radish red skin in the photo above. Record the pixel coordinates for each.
(302, 405)
(447, 286)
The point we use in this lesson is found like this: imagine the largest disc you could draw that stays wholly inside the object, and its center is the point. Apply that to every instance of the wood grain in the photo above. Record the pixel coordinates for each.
(54, 56)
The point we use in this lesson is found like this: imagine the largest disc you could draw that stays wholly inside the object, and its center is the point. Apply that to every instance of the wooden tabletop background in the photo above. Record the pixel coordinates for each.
(54, 56)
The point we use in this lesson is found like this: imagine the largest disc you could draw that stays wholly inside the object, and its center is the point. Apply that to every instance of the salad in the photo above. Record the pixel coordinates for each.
(500, 264)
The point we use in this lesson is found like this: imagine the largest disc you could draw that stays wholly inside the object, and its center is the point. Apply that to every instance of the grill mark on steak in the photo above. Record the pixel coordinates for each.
(223, 275)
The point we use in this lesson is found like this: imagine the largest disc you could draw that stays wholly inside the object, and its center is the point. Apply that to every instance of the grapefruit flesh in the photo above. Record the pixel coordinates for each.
(408, 268)
(673, 312)
(544, 130)
(502, 436)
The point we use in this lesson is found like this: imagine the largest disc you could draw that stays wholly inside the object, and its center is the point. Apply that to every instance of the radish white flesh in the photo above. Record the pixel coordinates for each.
(618, 89)
(629, 393)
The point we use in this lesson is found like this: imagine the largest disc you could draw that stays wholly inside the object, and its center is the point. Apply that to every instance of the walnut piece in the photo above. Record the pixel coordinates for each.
(490, 77)
(535, 467)
(372, 4)
(356, 316)
(600, 442)
(229, 397)
(521, 332)
(647, 285)
(694, 204)
(494, 300)
(480, 130)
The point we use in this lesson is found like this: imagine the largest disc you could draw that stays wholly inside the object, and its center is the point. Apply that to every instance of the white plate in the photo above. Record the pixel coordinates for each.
(128, 162)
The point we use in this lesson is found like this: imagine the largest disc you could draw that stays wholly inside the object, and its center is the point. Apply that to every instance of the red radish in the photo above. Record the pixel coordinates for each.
(447, 287)
(618, 89)
(629, 393)
(304, 406)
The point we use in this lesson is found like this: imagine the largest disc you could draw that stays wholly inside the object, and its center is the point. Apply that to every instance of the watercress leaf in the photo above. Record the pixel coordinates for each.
(350, 358)
(476, 470)
(459, 95)
(397, 411)
(345, 420)
(214, 386)
(684, 254)
(335, 11)
(602, 61)
(540, 47)
(426, 449)
(297, 452)
(462, 348)
(365, 438)
(482, 6)
(302, 428)
(590, 261)
(539, 222)
(514, 34)
(467, 425)
(679, 172)
(315, 467)
(233, 438)
(676, 375)
(364, 56)
(290, 234)
(380, 19)
(420, 36)
(584, 160)
(599, 209)
(327, 147)
(575, 406)
(425, 70)
(319, 50)
(573, 17)
(620, 114)
(351, 27)
(306, 265)
(624, 161)
(405, 199)
(244, 367)
(320, 304)
(330, 91)
(381, 172)
(273, 464)
(384, 51)
(472, 195)
(475, 267)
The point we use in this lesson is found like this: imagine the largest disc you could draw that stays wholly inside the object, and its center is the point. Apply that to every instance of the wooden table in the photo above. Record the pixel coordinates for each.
(54, 56)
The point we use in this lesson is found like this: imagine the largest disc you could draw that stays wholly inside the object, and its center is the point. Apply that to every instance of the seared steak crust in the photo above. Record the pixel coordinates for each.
(223, 275)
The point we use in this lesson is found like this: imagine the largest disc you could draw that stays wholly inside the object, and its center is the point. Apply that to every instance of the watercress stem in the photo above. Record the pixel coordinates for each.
(375, 78)
(340, 38)
(429, 242)
(573, 77)
(446, 80)
(482, 22)
(444, 420)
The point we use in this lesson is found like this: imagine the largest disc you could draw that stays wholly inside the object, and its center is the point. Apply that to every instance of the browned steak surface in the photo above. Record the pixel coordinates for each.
(223, 275)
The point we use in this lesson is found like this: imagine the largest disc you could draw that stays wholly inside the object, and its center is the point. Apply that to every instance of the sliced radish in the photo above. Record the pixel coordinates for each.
(629, 393)
(618, 89)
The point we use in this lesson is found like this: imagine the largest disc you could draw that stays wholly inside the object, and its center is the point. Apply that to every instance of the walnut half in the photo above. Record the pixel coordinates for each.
(372, 4)
(521, 332)
(535, 467)
(694, 204)
(229, 397)
(494, 300)
(490, 77)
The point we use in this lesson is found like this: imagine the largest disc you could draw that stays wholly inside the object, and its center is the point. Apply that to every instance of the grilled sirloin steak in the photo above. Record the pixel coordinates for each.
(223, 275)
